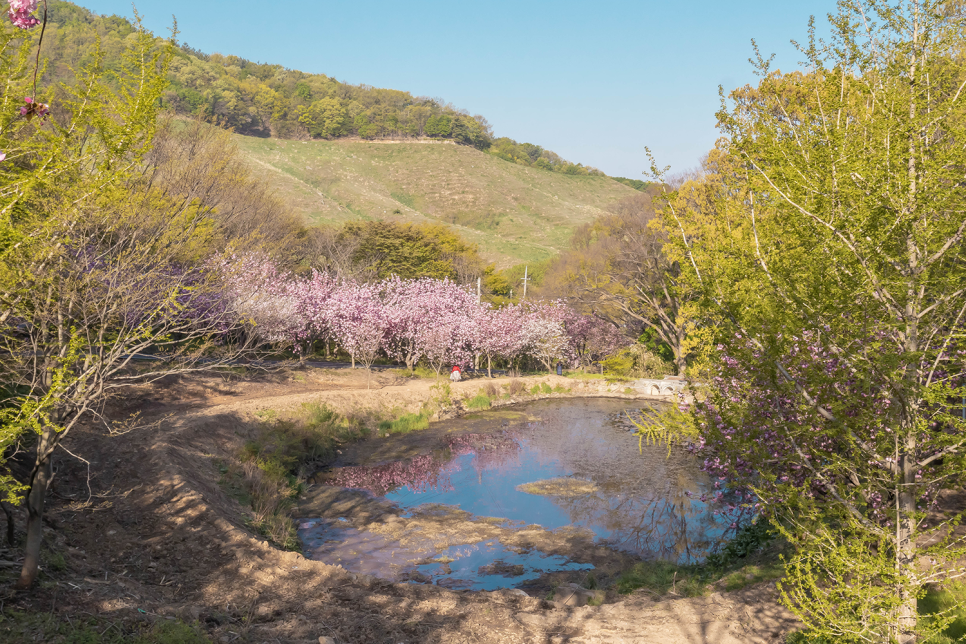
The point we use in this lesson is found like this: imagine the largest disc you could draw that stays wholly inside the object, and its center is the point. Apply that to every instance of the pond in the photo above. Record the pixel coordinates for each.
(498, 499)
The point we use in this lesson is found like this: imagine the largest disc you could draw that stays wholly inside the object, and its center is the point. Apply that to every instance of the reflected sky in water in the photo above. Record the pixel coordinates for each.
(641, 503)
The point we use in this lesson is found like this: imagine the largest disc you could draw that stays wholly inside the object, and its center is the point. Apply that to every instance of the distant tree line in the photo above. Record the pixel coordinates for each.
(261, 99)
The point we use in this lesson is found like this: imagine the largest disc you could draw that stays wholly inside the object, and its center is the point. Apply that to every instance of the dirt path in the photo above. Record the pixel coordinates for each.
(159, 537)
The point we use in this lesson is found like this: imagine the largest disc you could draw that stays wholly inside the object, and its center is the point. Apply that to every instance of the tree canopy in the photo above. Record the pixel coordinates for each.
(826, 238)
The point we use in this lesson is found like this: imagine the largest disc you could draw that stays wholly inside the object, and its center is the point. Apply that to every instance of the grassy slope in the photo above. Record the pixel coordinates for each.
(514, 213)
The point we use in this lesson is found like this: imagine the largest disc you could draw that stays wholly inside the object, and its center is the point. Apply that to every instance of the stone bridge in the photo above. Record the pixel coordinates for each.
(668, 386)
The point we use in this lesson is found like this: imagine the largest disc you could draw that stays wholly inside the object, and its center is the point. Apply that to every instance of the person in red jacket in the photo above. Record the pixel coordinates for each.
(456, 375)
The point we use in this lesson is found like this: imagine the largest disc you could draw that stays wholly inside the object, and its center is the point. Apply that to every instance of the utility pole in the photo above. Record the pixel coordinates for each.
(526, 272)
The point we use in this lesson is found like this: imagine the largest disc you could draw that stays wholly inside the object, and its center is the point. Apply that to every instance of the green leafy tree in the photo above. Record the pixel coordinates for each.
(98, 264)
(828, 240)
(326, 118)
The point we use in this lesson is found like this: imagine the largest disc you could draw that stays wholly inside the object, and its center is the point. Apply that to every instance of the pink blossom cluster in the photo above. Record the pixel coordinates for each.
(434, 320)
(34, 108)
(763, 431)
(21, 13)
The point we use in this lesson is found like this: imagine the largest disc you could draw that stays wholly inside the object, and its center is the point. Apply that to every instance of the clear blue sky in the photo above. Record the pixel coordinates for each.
(595, 82)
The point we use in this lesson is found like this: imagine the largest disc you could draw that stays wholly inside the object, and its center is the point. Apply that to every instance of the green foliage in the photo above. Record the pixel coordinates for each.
(440, 397)
(409, 251)
(946, 603)
(545, 388)
(637, 184)
(60, 175)
(825, 222)
(260, 99)
(650, 340)
(666, 425)
(533, 155)
(479, 401)
(750, 539)
(636, 361)
(741, 561)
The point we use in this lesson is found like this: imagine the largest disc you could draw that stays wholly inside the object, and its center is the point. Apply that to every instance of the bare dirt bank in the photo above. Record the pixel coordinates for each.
(158, 537)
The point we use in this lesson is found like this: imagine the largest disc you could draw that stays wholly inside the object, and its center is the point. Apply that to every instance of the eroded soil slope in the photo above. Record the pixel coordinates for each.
(143, 531)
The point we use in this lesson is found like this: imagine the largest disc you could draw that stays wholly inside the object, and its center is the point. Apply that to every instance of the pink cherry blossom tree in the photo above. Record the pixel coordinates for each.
(357, 319)
(544, 335)
(498, 333)
(258, 290)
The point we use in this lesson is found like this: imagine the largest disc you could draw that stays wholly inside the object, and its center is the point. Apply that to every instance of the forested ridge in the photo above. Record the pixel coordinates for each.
(264, 99)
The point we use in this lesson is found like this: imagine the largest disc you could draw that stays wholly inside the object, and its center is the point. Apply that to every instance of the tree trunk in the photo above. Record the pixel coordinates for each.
(352, 357)
(35, 511)
(906, 546)
(10, 525)
(489, 366)
(680, 364)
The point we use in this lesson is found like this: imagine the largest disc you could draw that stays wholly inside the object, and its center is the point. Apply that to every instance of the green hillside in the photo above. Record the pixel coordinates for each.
(513, 212)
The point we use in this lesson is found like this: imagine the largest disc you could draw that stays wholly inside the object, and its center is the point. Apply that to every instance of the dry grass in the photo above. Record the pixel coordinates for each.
(513, 212)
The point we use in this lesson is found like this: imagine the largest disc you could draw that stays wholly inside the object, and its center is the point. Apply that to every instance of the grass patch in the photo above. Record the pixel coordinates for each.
(420, 371)
(480, 401)
(663, 577)
(54, 560)
(580, 375)
(405, 424)
(271, 468)
(17, 626)
(750, 557)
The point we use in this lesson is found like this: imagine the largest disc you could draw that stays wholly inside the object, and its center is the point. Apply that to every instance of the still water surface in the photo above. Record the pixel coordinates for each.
(633, 499)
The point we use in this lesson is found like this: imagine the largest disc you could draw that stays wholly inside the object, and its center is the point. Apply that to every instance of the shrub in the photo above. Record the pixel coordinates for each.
(535, 390)
(490, 390)
(636, 361)
(545, 388)
(441, 396)
(516, 387)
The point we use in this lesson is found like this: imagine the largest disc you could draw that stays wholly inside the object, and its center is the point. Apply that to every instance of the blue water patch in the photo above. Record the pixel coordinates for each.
(593, 475)
(490, 565)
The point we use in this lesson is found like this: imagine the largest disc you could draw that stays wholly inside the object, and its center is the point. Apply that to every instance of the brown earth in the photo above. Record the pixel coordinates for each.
(146, 533)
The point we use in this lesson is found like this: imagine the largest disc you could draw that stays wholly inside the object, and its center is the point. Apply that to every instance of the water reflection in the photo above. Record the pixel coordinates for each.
(641, 503)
